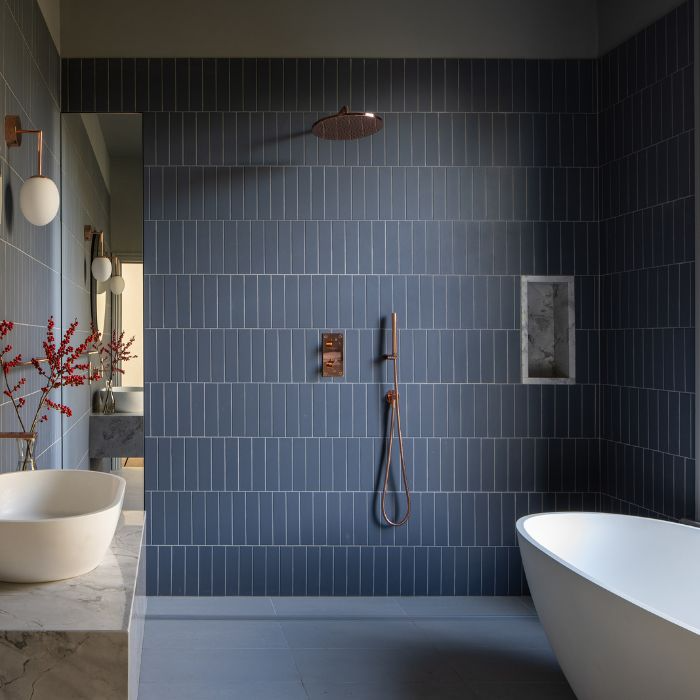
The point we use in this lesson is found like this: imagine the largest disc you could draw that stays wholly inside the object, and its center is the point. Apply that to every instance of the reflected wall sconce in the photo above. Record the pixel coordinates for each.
(100, 265)
(38, 197)
(116, 283)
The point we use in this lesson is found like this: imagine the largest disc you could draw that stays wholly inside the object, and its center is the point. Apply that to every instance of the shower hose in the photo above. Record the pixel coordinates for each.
(393, 399)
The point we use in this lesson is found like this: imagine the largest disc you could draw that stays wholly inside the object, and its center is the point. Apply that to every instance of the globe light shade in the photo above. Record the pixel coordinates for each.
(101, 268)
(39, 200)
(117, 284)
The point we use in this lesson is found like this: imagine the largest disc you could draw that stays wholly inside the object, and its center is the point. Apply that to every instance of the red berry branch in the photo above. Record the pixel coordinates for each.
(64, 366)
(113, 353)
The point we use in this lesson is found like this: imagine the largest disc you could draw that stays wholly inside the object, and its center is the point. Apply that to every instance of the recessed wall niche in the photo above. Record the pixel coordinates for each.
(548, 330)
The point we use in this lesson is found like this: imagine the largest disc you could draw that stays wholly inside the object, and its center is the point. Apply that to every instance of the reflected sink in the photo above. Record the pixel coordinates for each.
(56, 524)
(127, 399)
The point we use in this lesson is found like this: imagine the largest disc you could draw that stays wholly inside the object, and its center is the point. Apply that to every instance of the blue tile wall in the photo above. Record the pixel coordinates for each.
(30, 257)
(261, 476)
(647, 271)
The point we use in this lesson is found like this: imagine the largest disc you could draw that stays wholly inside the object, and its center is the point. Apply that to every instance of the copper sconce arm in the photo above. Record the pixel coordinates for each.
(13, 137)
(89, 232)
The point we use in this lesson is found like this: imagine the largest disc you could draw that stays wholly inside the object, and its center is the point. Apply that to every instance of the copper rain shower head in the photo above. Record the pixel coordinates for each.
(345, 125)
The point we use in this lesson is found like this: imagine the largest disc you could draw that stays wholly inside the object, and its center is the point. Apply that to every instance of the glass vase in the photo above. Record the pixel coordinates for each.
(108, 404)
(26, 447)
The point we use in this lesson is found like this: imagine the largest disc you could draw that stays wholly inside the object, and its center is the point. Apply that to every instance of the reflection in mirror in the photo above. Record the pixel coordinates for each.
(99, 320)
(102, 176)
(98, 288)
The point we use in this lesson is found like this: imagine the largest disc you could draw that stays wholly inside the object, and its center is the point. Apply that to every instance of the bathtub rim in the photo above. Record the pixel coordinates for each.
(522, 532)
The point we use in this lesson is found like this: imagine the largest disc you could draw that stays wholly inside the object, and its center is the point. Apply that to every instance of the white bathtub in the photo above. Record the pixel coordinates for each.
(619, 599)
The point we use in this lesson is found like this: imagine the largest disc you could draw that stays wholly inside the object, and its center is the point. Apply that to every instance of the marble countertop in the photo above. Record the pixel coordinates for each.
(98, 600)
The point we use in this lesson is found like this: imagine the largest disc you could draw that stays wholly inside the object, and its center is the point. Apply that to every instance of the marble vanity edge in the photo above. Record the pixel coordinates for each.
(100, 600)
(56, 662)
(137, 623)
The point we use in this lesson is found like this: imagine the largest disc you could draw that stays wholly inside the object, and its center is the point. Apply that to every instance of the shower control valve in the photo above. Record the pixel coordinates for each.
(332, 355)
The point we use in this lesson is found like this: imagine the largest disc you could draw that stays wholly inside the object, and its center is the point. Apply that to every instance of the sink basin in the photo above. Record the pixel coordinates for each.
(127, 399)
(56, 524)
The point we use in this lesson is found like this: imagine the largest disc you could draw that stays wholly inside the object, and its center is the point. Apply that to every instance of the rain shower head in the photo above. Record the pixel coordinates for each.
(345, 125)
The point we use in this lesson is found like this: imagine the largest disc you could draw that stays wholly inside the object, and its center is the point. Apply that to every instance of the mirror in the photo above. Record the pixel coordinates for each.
(102, 191)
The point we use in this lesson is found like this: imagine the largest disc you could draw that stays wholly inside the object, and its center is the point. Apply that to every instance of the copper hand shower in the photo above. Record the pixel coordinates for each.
(392, 397)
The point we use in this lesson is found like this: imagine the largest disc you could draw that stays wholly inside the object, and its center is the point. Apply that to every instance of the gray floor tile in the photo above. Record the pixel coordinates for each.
(478, 632)
(350, 634)
(176, 606)
(338, 607)
(213, 634)
(466, 606)
(217, 665)
(529, 603)
(388, 691)
(388, 666)
(505, 664)
(223, 691)
(522, 691)
(369, 648)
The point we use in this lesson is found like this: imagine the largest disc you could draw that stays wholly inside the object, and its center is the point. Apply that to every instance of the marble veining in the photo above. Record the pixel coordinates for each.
(58, 665)
(79, 638)
(548, 329)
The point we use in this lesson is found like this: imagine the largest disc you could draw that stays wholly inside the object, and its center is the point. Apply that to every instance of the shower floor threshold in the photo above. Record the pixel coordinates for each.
(336, 608)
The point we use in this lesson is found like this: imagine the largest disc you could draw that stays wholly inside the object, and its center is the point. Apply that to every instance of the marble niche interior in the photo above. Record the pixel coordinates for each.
(548, 329)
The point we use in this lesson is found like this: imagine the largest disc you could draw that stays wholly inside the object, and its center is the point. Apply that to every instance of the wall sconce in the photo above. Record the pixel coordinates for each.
(38, 196)
(101, 265)
(116, 283)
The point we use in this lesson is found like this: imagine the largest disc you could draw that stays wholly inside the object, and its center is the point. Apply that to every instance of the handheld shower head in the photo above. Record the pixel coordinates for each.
(392, 398)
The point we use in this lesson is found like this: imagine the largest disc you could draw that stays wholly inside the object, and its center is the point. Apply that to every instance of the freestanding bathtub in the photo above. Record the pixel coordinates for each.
(619, 599)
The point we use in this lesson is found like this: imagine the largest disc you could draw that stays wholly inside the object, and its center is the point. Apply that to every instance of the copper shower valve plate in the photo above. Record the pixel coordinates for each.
(332, 356)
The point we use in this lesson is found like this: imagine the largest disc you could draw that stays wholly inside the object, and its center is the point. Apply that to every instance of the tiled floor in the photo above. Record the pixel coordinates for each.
(364, 648)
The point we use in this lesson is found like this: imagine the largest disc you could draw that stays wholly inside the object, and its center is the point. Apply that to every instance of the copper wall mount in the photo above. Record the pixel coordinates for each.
(13, 137)
(332, 355)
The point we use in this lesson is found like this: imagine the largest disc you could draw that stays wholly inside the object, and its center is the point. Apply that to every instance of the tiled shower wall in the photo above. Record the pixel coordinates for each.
(30, 257)
(647, 272)
(261, 476)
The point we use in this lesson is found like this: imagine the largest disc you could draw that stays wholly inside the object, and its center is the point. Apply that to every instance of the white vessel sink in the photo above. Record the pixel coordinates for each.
(127, 399)
(56, 524)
